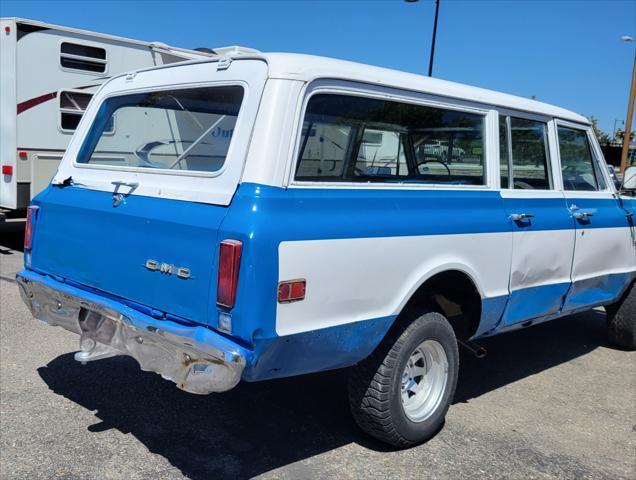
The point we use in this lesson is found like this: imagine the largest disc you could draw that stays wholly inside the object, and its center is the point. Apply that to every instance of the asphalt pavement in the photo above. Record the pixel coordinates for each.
(552, 401)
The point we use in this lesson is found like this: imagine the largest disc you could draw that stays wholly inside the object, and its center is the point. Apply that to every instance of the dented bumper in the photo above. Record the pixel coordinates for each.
(196, 358)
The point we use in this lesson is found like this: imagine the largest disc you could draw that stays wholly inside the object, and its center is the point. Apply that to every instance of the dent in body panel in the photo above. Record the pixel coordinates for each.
(602, 290)
(534, 302)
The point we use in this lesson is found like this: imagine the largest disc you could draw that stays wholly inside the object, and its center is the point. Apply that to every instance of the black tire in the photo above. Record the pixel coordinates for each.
(621, 320)
(375, 384)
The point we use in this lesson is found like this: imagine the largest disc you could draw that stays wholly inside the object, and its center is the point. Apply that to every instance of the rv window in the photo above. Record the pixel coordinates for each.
(355, 139)
(72, 107)
(70, 121)
(183, 129)
(83, 57)
(83, 50)
(77, 101)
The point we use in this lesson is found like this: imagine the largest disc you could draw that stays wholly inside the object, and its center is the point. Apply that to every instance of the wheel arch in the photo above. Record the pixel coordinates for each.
(452, 289)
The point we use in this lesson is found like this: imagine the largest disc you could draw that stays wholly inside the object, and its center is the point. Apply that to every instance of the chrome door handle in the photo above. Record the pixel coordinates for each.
(582, 215)
(518, 217)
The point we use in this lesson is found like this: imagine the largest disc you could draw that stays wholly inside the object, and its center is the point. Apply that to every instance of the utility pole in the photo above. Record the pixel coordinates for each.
(630, 112)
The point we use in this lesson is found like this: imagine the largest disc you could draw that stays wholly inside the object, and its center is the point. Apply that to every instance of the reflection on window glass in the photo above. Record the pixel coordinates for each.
(356, 139)
(503, 152)
(577, 164)
(530, 168)
(187, 129)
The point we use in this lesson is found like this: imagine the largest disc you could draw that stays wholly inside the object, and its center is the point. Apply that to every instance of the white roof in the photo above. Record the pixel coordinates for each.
(309, 67)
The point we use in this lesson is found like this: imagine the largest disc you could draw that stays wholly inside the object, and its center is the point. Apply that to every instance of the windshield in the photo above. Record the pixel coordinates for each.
(186, 129)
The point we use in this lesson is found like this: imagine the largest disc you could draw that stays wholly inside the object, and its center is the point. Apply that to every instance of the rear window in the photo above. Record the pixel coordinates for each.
(184, 129)
(356, 139)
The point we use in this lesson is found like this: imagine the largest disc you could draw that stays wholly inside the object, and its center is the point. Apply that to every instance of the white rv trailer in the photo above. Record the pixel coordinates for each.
(48, 74)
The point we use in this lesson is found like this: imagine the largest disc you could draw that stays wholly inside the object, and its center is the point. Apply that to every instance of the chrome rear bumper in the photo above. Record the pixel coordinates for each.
(197, 359)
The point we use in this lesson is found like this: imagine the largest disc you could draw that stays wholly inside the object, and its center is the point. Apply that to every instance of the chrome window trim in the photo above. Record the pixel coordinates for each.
(375, 91)
(597, 157)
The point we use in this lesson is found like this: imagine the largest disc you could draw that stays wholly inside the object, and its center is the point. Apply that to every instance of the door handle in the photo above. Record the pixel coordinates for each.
(519, 217)
(582, 215)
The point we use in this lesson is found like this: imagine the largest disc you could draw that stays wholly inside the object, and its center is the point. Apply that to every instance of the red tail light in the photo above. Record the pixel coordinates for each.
(7, 169)
(32, 215)
(292, 290)
(229, 261)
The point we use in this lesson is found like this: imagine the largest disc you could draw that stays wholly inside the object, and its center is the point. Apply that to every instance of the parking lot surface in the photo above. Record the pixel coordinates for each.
(553, 401)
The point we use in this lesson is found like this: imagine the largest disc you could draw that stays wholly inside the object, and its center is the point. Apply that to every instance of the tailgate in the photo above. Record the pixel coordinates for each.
(133, 251)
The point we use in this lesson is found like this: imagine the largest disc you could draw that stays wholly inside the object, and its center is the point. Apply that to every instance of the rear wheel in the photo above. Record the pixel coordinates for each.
(401, 393)
(621, 320)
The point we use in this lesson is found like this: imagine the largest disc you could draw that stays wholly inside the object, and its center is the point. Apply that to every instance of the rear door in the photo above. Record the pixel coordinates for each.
(135, 207)
(604, 255)
(543, 230)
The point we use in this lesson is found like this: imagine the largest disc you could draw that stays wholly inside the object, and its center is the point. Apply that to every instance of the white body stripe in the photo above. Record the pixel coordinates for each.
(362, 278)
(603, 251)
(357, 279)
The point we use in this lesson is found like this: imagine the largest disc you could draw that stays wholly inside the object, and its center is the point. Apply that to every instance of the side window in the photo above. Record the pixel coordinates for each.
(530, 163)
(580, 171)
(354, 139)
(83, 57)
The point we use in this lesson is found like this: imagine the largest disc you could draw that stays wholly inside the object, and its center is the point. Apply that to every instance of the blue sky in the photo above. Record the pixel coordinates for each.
(565, 52)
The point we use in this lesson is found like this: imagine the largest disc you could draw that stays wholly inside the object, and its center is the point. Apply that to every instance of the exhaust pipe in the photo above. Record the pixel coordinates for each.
(477, 350)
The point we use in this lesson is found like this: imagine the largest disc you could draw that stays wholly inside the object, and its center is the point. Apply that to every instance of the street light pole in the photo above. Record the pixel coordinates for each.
(430, 62)
(630, 111)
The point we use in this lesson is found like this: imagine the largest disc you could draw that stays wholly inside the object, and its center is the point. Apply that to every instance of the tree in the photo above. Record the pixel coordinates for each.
(621, 134)
(600, 134)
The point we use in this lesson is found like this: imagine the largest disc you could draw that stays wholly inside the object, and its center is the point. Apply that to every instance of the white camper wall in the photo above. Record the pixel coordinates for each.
(40, 74)
(41, 81)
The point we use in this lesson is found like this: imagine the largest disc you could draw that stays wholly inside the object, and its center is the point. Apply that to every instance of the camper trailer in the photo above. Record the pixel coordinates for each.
(48, 75)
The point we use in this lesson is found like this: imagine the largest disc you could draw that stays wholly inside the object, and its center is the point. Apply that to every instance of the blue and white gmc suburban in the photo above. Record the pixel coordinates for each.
(255, 216)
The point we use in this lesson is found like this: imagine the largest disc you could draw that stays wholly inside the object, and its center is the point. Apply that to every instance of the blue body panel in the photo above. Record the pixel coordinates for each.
(82, 239)
(534, 302)
(597, 291)
(317, 350)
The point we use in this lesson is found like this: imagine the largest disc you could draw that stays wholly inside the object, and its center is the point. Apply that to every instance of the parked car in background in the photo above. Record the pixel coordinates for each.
(268, 215)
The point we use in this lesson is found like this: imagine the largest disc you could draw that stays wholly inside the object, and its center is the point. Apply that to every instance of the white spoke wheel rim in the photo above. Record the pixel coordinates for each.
(424, 380)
